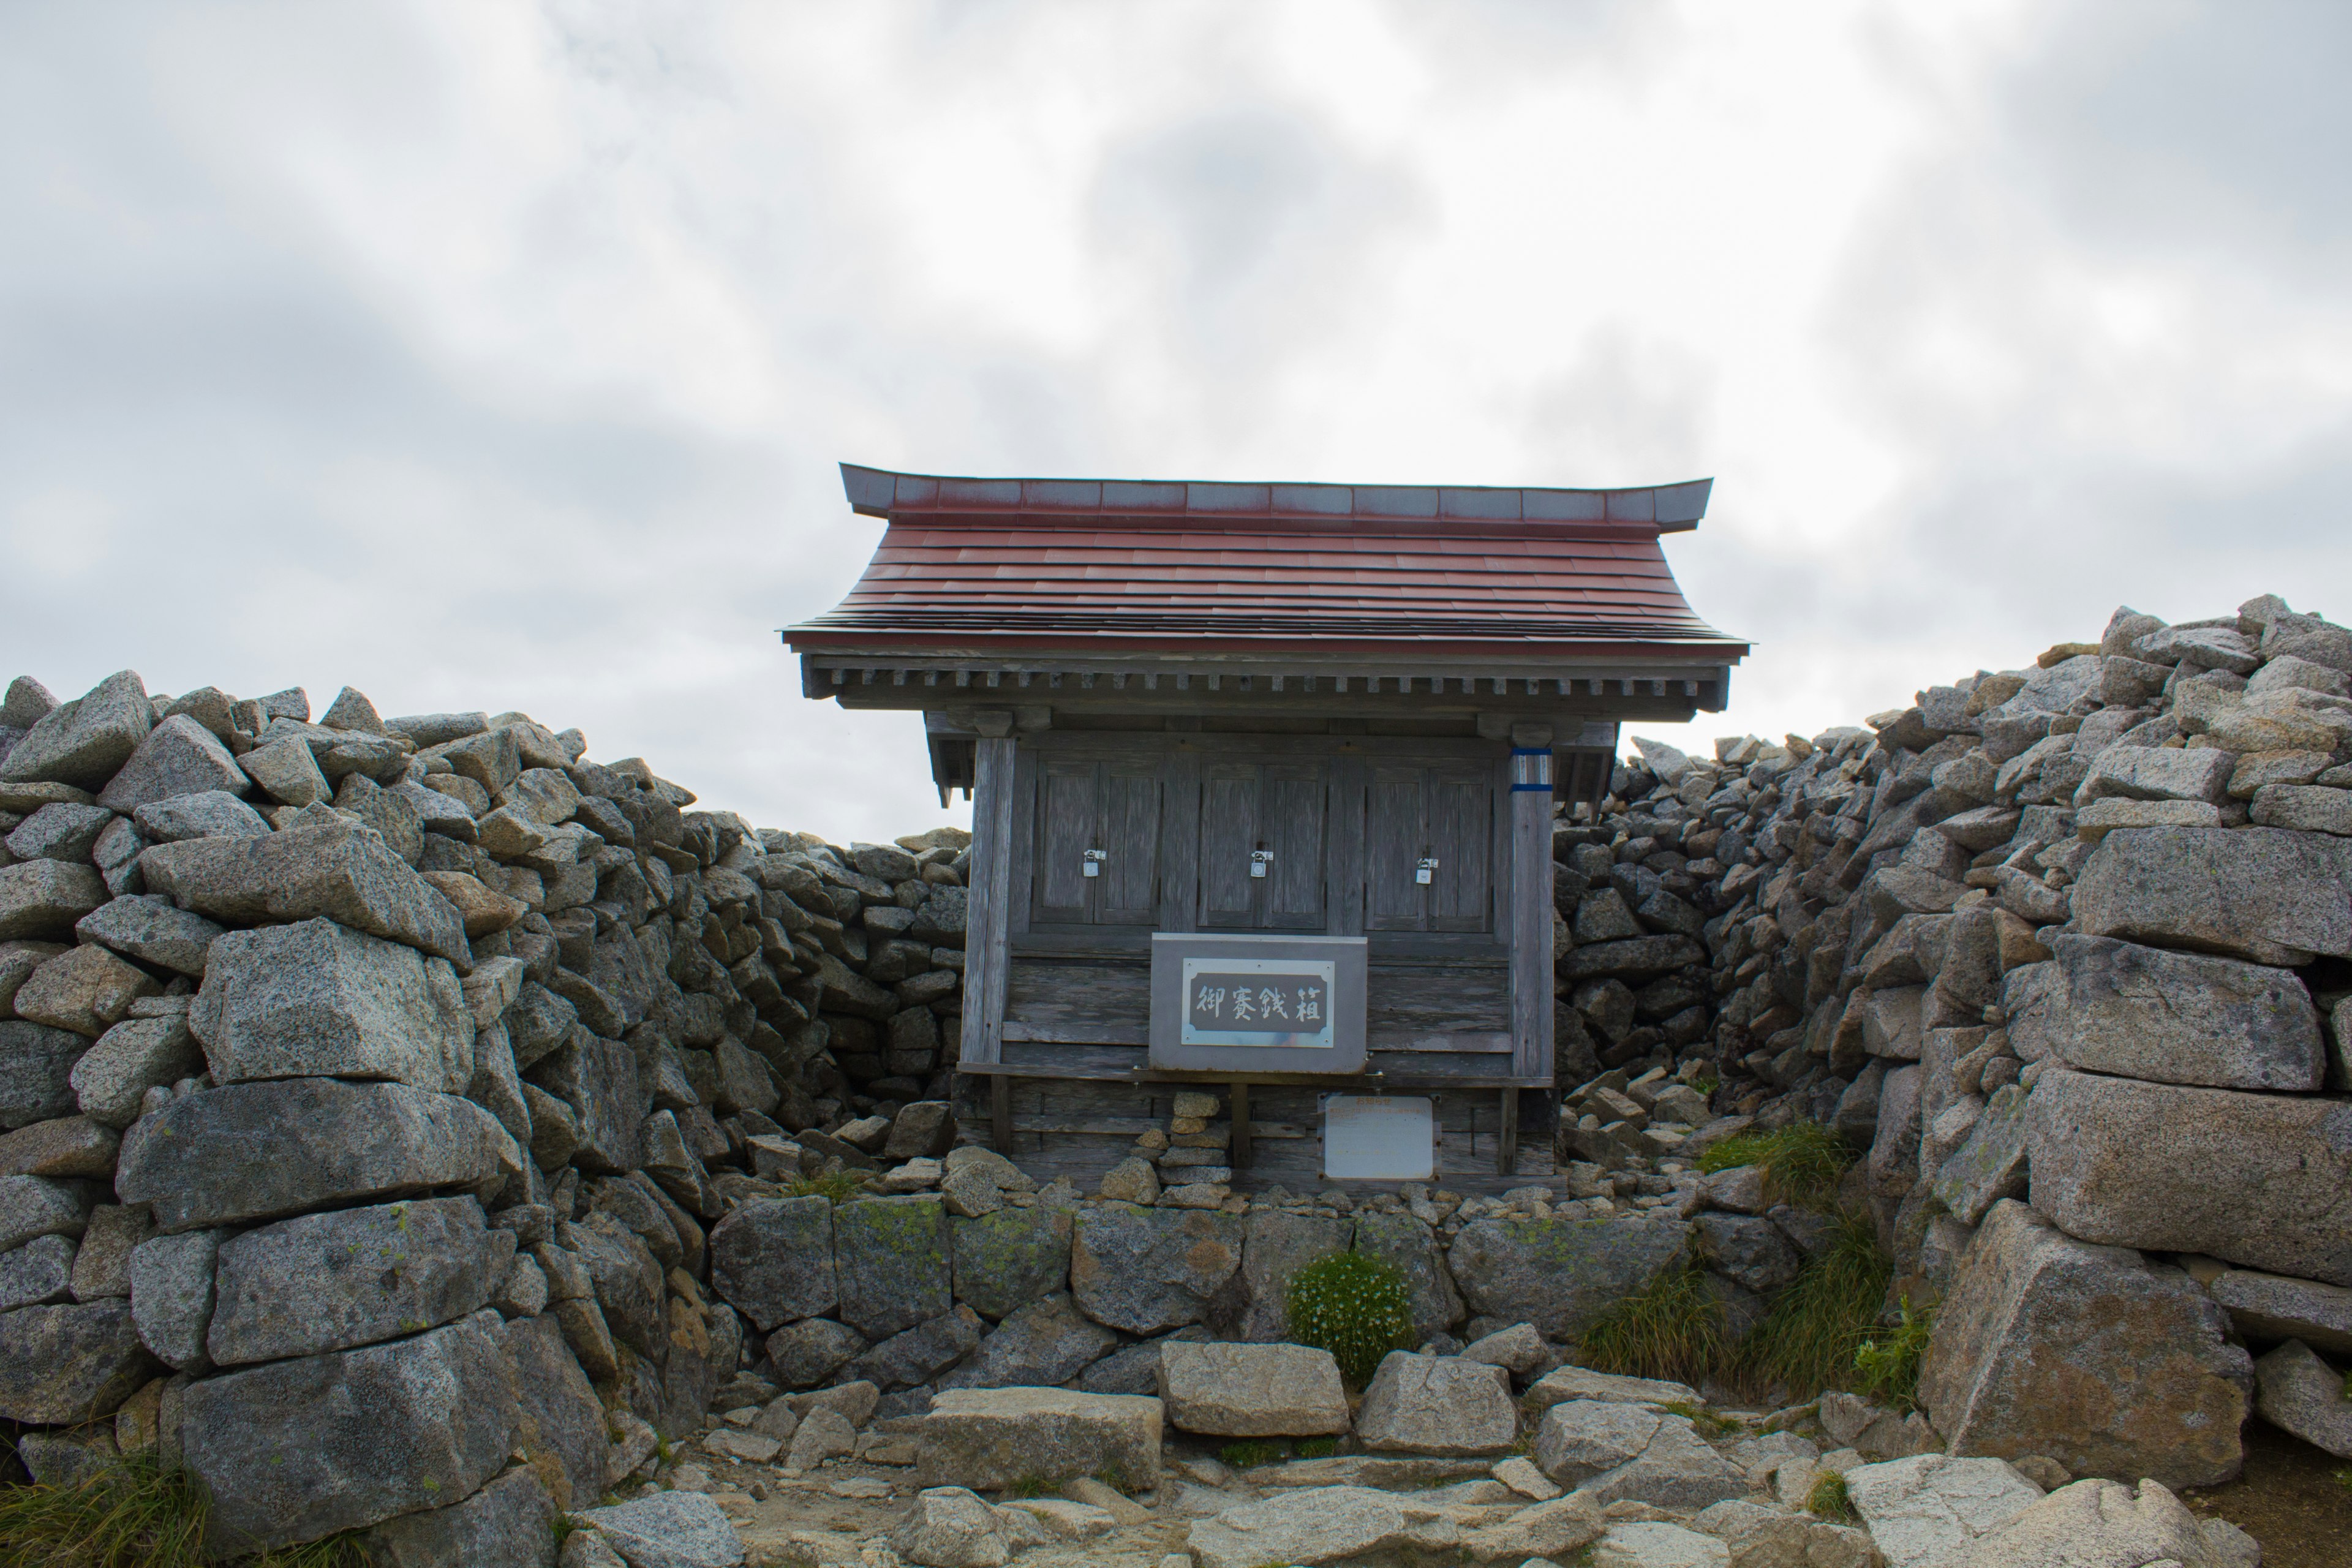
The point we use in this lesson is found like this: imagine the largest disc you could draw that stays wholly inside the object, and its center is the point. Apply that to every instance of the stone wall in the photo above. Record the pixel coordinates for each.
(383, 1100)
(2063, 950)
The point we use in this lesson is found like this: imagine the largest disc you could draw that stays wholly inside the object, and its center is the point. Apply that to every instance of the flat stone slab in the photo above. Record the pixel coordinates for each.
(2260, 893)
(668, 1529)
(2298, 1393)
(2273, 1307)
(301, 1448)
(330, 1142)
(988, 1439)
(1438, 1405)
(317, 1000)
(1611, 1452)
(1251, 1390)
(333, 869)
(2166, 1168)
(1321, 1526)
(2179, 1018)
(1928, 1511)
(353, 1277)
(1567, 1382)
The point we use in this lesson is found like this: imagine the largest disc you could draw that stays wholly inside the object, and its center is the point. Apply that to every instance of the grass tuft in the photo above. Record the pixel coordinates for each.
(1673, 1328)
(1889, 1363)
(1829, 1500)
(1318, 1447)
(1250, 1454)
(838, 1187)
(133, 1514)
(1030, 1487)
(1801, 1162)
(1353, 1305)
(1705, 1420)
(1816, 1328)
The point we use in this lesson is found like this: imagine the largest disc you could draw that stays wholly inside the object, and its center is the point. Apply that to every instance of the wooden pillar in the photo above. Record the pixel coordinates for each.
(989, 893)
(1532, 918)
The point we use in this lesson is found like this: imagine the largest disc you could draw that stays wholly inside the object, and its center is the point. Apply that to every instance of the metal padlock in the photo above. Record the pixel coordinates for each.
(1426, 871)
(1259, 860)
(1093, 862)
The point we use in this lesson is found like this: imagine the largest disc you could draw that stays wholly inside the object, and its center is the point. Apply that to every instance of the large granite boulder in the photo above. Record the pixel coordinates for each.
(2181, 1017)
(330, 1281)
(894, 1257)
(44, 899)
(1325, 1524)
(1410, 1248)
(990, 1438)
(1557, 1273)
(1224, 1390)
(2265, 1180)
(1275, 1246)
(316, 1000)
(2086, 1354)
(1612, 1453)
(84, 742)
(509, 1523)
(297, 1449)
(1006, 1260)
(1147, 1270)
(2301, 1393)
(178, 756)
(2098, 1524)
(1930, 1509)
(1041, 1345)
(597, 1077)
(2260, 893)
(153, 931)
(919, 1354)
(330, 1142)
(668, 1529)
(560, 1427)
(60, 1365)
(1438, 1405)
(771, 1260)
(329, 866)
(110, 1082)
(36, 1065)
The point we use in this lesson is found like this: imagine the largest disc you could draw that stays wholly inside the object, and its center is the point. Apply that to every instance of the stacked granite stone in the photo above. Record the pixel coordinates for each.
(1186, 1165)
(368, 1086)
(2063, 950)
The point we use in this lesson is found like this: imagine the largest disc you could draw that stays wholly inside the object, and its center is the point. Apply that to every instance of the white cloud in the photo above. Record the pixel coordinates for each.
(499, 355)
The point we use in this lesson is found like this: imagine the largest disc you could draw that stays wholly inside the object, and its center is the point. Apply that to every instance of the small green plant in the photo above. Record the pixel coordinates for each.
(1813, 1335)
(1250, 1454)
(1673, 1328)
(1318, 1447)
(2344, 1478)
(1705, 1420)
(1828, 1498)
(1353, 1305)
(2347, 1385)
(1706, 1084)
(1114, 1476)
(1030, 1487)
(1801, 1162)
(838, 1187)
(1889, 1363)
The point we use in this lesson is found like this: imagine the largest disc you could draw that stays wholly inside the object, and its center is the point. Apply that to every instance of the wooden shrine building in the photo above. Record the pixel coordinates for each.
(1303, 740)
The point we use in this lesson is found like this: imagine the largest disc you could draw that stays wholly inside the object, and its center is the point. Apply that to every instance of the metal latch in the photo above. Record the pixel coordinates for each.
(1259, 860)
(1093, 864)
(1426, 870)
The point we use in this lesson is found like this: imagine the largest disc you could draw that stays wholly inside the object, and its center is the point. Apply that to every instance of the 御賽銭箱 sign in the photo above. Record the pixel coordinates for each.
(1281, 1002)
(1272, 1004)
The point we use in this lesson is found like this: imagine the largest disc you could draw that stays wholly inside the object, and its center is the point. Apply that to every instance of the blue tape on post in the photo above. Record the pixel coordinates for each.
(1531, 769)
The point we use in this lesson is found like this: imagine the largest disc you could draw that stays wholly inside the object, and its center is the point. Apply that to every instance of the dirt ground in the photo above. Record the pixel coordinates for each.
(2288, 1499)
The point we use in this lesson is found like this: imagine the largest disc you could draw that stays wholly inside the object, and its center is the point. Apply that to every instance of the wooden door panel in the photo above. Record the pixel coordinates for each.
(1067, 817)
(1461, 824)
(1127, 893)
(1229, 814)
(1292, 896)
(1395, 838)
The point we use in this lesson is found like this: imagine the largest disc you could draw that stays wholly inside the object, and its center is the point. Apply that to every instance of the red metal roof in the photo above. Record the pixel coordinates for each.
(1101, 565)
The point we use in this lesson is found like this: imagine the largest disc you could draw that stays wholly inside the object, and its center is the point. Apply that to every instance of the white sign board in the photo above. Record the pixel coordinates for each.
(1380, 1138)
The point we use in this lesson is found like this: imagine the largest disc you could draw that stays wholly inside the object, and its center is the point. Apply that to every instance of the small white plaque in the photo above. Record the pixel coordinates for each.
(1379, 1138)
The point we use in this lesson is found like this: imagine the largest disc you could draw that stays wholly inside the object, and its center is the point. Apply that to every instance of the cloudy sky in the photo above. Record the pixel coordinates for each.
(485, 354)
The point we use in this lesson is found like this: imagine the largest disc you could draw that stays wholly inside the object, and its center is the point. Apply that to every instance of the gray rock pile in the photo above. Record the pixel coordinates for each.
(2063, 951)
(373, 1094)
